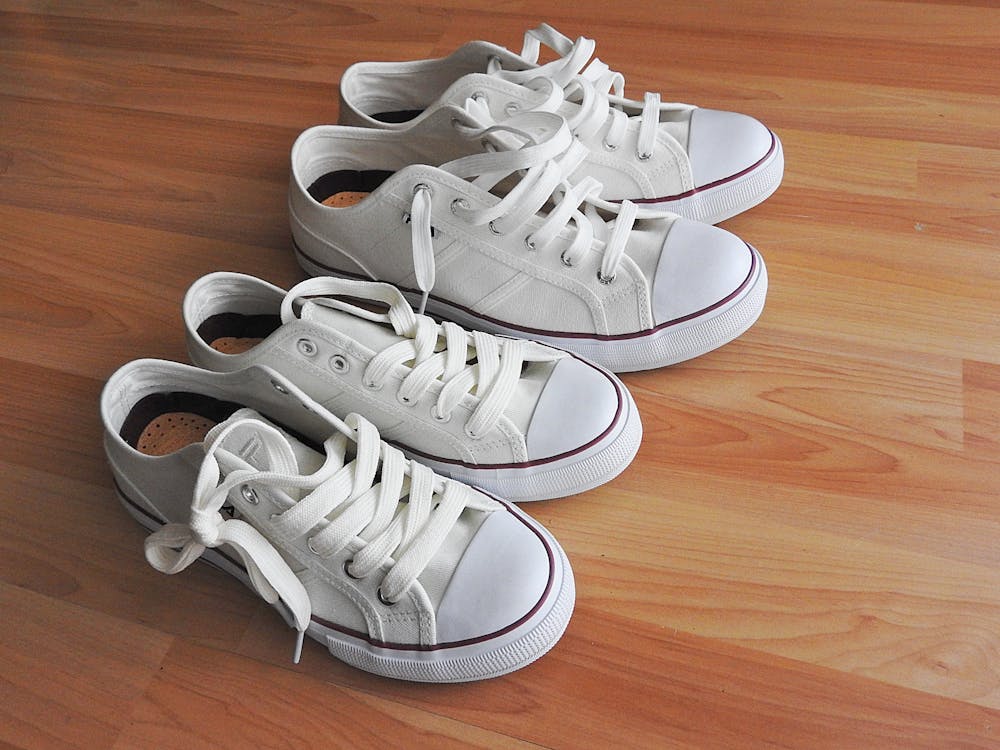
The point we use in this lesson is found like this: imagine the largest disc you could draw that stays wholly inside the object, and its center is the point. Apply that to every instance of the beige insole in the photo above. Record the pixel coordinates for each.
(345, 198)
(172, 431)
(234, 344)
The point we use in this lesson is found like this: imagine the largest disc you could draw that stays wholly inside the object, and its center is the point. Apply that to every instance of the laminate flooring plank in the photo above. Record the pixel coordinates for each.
(70, 676)
(811, 53)
(201, 698)
(286, 40)
(88, 185)
(196, 98)
(94, 559)
(613, 681)
(206, 145)
(981, 388)
(873, 21)
(88, 295)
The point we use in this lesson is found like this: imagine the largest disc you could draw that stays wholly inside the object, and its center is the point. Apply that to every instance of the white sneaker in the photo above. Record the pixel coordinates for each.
(700, 163)
(392, 568)
(520, 419)
(507, 245)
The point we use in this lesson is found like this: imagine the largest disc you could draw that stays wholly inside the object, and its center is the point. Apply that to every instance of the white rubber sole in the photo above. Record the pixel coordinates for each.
(492, 656)
(590, 468)
(732, 196)
(664, 345)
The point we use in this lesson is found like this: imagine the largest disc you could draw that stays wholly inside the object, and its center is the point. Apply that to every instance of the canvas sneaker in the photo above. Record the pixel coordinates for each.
(703, 164)
(482, 225)
(393, 568)
(520, 419)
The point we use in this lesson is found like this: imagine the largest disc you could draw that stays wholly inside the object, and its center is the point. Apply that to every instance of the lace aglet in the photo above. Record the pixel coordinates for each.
(298, 647)
(423, 303)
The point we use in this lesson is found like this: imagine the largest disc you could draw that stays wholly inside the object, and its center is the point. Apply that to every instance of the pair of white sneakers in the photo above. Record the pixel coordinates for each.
(395, 565)
(534, 200)
(364, 532)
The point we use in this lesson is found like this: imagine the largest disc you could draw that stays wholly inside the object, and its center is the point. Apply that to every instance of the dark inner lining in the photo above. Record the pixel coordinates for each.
(237, 325)
(347, 180)
(399, 115)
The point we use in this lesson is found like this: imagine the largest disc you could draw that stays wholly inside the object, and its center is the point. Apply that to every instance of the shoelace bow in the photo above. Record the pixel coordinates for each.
(367, 500)
(590, 83)
(543, 165)
(433, 351)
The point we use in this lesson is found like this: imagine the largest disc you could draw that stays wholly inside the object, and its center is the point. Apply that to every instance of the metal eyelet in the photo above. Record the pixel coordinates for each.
(372, 386)
(494, 229)
(306, 347)
(338, 363)
(347, 570)
(470, 434)
(511, 107)
(458, 203)
(249, 494)
(566, 261)
(528, 242)
(610, 146)
(404, 400)
(381, 598)
(422, 186)
(309, 544)
(644, 157)
(605, 279)
(480, 96)
(442, 418)
(279, 387)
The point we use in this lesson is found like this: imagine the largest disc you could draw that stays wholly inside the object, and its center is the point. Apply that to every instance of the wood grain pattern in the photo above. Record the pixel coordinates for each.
(806, 552)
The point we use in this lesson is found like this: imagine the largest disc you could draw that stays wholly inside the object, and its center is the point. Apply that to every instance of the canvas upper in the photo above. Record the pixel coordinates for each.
(520, 419)
(482, 222)
(394, 569)
(703, 164)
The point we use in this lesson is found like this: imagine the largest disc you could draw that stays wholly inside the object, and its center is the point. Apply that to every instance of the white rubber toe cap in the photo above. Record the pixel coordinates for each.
(578, 404)
(701, 266)
(723, 144)
(501, 578)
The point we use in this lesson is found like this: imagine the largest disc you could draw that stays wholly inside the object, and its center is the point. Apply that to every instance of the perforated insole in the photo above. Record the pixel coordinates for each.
(172, 431)
(234, 344)
(345, 198)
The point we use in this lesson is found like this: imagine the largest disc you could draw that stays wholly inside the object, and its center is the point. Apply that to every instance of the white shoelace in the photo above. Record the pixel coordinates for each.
(433, 351)
(365, 493)
(589, 83)
(543, 165)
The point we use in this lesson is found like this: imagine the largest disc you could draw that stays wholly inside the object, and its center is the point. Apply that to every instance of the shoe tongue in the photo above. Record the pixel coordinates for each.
(368, 333)
(252, 444)
(376, 337)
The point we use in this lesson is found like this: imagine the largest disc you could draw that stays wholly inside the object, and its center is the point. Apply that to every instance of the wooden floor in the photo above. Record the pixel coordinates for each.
(806, 552)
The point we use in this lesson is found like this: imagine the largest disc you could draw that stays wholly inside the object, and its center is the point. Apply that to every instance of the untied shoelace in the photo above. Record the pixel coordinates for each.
(436, 352)
(590, 83)
(366, 492)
